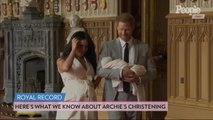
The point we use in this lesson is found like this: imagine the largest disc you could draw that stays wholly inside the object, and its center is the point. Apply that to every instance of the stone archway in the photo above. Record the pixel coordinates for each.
(34, 79)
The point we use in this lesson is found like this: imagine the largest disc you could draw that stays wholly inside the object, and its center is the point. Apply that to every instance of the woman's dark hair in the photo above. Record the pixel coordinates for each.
(90, 54)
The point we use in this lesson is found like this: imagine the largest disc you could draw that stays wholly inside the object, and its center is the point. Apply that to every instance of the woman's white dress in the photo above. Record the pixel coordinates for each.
(78, 87)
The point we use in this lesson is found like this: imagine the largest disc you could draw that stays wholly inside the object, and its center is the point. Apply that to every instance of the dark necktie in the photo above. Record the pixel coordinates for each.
(126, 85)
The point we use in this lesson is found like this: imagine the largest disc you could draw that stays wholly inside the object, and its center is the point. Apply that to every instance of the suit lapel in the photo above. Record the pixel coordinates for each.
(136, 50)
(118, 48)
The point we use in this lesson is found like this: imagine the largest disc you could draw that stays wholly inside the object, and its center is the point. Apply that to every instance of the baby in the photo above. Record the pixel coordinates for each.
(107, 62)
(140, 70)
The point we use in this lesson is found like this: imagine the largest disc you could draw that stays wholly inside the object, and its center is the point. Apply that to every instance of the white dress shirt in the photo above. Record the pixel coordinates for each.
(131, 59)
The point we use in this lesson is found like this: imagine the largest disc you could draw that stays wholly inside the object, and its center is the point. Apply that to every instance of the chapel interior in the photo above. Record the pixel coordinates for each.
(33, 35)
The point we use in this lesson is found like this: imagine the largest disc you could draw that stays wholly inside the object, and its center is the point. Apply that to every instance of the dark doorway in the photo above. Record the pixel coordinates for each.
(41, 79)
(34, 75)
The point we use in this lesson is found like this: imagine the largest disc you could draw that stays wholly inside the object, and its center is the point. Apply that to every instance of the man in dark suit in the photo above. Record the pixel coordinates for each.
(134, 52)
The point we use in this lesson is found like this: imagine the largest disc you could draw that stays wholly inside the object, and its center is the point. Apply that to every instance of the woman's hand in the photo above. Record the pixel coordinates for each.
(65, 65)
(96, 81)
(74, 43)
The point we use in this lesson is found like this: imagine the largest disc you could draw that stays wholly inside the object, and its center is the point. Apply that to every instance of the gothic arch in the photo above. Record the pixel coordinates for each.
(20, 58)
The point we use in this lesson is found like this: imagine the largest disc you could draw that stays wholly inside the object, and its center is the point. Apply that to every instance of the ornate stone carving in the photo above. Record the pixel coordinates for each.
(180, 34)
(203, 33)
(27, 39)
(30, 39)
(191, 34)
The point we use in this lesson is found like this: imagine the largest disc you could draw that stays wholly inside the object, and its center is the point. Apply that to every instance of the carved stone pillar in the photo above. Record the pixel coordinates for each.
(1, 62)
(8, 60)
